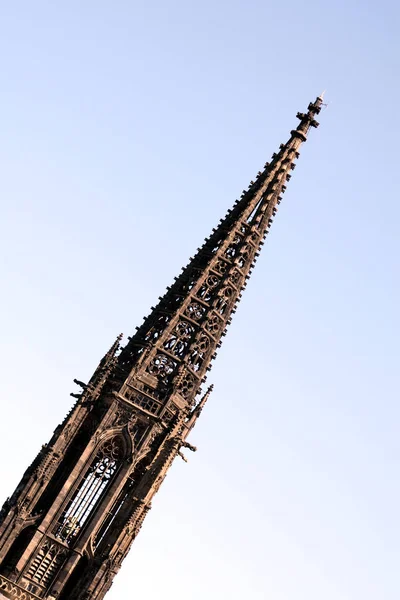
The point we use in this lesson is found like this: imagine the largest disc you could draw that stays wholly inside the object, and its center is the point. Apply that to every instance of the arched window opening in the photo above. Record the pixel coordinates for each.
(90, 491)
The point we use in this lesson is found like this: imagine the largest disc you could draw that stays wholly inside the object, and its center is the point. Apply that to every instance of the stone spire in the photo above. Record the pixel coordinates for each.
(173, 348)
(71, 521)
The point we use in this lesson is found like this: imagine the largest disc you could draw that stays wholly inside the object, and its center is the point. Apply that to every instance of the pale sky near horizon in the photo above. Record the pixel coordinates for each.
(128, 129)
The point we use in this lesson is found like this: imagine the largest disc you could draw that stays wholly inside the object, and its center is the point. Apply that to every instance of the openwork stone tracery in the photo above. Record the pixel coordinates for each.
(71, 521)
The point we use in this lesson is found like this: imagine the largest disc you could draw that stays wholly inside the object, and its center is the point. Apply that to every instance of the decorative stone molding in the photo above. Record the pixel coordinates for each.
(14, 591)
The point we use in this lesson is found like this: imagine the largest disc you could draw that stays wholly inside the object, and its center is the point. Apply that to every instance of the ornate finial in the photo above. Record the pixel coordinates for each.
(204, 399)
(196, 412)
(115, 346)
(307, 120)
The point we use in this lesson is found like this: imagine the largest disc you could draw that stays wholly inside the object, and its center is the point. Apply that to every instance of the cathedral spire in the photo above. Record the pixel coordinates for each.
(174, 346)
(71, 521)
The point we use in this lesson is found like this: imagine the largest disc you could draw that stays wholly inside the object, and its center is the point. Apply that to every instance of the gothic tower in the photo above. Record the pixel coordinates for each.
(68, 526)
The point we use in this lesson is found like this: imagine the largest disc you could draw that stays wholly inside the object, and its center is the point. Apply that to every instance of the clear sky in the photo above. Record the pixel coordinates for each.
(128, 128)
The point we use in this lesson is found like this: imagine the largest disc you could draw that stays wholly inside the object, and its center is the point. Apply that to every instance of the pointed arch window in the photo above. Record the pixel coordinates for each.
(91, 490)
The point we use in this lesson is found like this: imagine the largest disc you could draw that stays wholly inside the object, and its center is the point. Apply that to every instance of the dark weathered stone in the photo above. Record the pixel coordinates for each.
(71, 521)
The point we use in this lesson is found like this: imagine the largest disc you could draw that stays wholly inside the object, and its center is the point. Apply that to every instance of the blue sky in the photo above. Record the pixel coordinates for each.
(128, 129)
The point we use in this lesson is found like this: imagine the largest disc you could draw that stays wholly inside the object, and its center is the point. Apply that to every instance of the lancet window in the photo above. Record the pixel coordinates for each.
(90, 490)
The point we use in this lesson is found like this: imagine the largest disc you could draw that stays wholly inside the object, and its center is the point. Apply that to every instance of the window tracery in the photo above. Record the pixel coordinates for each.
(243, 257)
(179, 338)
(226, 295)
(233, 248)
(90, 490)
(221, 267)
(227, 292)
(199, 352)
(161, 366)
(235, 277)
(186, 384)
(205, 292)
(213, 324)
(221, 306)
(195, 311)
(150, 404)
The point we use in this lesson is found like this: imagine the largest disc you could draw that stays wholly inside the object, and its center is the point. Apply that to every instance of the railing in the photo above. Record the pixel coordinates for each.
(12, 590)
